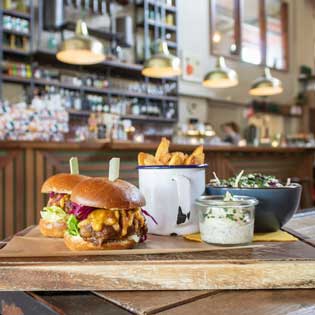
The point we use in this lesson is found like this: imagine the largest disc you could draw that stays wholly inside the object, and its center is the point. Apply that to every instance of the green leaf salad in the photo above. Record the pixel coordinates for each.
(53, 213)
(72, 224)
(252, 180)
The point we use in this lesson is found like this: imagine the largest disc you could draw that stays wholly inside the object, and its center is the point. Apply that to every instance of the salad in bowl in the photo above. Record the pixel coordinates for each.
(278, 201)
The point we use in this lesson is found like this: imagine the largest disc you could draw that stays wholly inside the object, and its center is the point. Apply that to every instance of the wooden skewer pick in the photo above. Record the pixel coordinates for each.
(74, 166)
(114, 165)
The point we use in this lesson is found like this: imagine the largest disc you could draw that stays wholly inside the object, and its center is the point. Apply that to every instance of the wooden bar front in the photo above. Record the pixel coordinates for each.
(25, 165)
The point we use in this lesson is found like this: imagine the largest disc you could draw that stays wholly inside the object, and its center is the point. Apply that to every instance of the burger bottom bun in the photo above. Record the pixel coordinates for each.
(77, 243)
(52, 229)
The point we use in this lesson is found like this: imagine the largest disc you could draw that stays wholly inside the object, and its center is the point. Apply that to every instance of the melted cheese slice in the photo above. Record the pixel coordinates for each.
(101, 217)
(120, 220)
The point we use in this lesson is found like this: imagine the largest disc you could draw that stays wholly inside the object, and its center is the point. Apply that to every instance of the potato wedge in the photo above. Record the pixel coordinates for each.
(197, 157)
(178, 158)
(164, 159)
(198, 150)
(162, 153)
(141, 158)
(189, 160)
(151, 160)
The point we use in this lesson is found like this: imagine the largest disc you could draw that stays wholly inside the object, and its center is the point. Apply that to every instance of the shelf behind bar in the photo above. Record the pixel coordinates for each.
(18, 14)
(160, 4)
(142, 118)
(13, 32)
(171, 44)
(129, 93)
(114, 64)
(152, 24)
(16, 51)
(149, 118)
(95, 32)
(57, 84)
(16, 79)
(109, 63)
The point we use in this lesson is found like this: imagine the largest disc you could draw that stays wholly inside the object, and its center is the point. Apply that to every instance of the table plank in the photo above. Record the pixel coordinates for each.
(19, 303)
(279, 302)
(81, 303)
(277, 265)
(283, 265)
(150, 302)
(303, 226)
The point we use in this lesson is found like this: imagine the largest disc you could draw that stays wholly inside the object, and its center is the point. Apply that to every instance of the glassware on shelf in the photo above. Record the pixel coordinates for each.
(36, 122)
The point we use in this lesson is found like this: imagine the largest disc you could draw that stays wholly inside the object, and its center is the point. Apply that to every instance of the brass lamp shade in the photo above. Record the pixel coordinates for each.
(162, 65)
(221, 76)
(266, 85)
(81, 49)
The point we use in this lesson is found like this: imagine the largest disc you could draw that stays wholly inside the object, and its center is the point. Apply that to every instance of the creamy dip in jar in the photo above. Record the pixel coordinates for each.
(226, 220)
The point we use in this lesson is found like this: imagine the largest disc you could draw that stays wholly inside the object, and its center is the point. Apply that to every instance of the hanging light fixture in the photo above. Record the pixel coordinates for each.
(266, 85)
(221, 76)
(81, 49)
(163, 64)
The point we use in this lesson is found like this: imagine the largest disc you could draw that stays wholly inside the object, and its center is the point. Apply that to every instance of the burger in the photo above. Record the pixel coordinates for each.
(53, 222)
(105, 215)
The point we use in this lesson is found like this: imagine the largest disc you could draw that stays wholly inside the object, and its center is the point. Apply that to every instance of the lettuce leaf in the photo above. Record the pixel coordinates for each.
(72, 224)
(53, 213)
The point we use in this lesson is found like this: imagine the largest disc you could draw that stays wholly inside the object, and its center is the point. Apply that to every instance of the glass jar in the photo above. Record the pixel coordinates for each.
(226, 222)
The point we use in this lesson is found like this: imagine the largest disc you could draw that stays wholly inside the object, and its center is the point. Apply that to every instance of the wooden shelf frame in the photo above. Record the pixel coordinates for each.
(109, 68)
(17, 14)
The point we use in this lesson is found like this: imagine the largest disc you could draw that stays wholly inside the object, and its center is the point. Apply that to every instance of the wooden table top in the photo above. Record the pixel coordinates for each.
(273, 265)
(242, 302)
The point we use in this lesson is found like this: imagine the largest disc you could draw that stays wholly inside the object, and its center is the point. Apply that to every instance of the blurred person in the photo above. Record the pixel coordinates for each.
(231, 132)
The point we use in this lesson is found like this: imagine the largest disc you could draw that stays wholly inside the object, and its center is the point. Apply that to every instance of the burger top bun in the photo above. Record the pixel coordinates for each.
(62, 183)
(99, 192)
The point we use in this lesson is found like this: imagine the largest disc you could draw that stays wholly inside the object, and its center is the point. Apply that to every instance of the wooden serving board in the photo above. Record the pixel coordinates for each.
(273, 266)
(33, 244)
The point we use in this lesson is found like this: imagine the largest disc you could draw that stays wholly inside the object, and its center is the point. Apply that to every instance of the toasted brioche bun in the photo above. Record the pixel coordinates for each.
(77, 243)
(62, 183)
(52, 229)
(99, 192)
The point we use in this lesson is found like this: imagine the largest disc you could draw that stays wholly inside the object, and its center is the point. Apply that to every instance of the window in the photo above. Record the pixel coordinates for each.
(223, 35)
(253, 31)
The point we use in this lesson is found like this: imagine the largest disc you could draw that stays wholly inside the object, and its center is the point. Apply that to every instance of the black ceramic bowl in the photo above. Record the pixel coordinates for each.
(276, 205)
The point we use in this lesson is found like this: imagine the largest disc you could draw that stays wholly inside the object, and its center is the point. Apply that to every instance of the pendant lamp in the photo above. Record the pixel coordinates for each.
(81, 49)
(266, 85)
(163, 64)
(221, 76)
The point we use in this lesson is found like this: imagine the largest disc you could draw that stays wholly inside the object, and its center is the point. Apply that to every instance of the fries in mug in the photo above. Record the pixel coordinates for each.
(164, 157)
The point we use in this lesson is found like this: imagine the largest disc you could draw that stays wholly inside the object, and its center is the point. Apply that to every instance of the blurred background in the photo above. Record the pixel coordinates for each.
(103, 78)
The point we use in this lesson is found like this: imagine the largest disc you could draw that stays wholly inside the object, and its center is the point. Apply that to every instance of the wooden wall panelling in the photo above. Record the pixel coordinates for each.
(19, 183)
(2, 223)
(39, 179)
(30, 188)
(12, 195)
(94, 163)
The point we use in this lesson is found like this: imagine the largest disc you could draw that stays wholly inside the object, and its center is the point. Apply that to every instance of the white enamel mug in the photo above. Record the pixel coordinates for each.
(170, 193)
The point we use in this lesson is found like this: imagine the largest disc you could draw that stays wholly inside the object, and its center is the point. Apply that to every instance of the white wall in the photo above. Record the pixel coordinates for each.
(193, 38)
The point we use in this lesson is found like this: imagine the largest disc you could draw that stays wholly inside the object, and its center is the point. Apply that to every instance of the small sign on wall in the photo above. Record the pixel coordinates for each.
(192, 68)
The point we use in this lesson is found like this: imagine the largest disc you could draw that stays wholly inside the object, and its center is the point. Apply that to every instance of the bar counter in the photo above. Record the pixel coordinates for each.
(25, 165)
